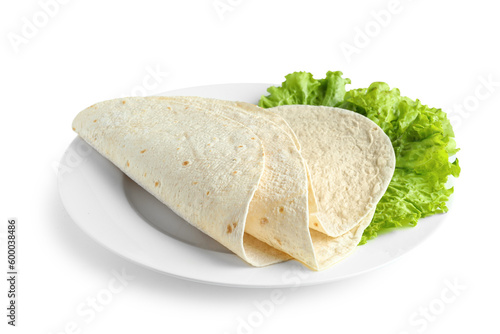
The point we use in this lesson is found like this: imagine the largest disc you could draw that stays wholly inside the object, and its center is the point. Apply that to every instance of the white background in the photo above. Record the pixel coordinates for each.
(92, 50)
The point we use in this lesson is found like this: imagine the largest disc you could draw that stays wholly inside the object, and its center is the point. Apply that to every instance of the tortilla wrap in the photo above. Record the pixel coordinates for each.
(228, 168)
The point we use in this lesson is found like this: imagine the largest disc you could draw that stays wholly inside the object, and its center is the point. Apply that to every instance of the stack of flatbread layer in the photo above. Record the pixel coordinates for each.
(291, 182)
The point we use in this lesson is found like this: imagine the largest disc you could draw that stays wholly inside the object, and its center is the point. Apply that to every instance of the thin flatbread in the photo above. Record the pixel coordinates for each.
(231, 169)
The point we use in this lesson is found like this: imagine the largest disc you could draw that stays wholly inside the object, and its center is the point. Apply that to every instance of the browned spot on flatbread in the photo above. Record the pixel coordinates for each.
(316, 224)
(95, 120)
(264, 221)
(185, 163)
(128, 164)
(123, 102)
(143, 151)
(74, 129)
(235, 224)
(229, 229)
(281, 209)
(157, 184)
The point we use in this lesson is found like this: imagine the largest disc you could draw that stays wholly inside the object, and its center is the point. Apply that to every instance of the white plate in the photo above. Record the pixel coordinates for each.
(127, 220)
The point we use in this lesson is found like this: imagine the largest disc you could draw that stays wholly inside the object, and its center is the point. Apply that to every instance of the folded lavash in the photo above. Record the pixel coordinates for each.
(232, 170)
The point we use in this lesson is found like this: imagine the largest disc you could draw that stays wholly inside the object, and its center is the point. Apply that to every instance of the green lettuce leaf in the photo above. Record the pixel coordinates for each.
(302, 88)
(422, 138)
